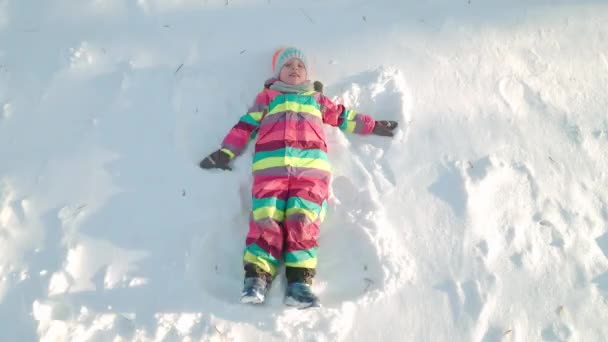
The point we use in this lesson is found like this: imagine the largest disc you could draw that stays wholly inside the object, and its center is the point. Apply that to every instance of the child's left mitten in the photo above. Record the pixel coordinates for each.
(384, 128)
(216, 160)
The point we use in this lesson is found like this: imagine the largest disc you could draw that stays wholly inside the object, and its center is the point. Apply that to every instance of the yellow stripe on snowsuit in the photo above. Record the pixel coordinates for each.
(252, 118)
(350, 126)
(310, 214)
(323, 211)
(260, 262)
(228, 152)
(266, 212)
(291, 161)
(313, 211)
(349, 123)
(308, 263)
(295, 107)
(350, 115)
(257, 116)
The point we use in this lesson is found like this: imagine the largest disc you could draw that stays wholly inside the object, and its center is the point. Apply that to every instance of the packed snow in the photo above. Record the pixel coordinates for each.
(484, 219)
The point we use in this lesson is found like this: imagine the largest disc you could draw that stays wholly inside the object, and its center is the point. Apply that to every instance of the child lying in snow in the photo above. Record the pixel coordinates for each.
(291, 175)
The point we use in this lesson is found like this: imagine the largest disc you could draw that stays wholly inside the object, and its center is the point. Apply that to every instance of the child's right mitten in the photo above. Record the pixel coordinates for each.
(384, 128)
(216, 160)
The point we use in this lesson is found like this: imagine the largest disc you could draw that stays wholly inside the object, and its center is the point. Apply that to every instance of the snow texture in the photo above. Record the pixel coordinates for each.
(484, 219)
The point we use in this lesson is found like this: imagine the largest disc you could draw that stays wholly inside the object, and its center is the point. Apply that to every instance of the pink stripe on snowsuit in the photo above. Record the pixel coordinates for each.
(291, 174)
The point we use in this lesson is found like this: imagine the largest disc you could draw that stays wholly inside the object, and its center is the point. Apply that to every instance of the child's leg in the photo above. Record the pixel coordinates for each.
(254, 271)
(300, 274)
(306, 207)
(264, 244)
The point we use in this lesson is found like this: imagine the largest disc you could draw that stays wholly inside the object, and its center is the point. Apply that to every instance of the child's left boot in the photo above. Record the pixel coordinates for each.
(299, 291)
(300, 295)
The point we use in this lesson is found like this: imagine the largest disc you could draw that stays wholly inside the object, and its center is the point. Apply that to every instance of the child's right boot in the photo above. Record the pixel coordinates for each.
(254, 290)
(256, 284)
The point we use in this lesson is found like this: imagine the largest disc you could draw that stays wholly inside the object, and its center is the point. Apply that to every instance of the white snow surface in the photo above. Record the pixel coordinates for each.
(484, 219)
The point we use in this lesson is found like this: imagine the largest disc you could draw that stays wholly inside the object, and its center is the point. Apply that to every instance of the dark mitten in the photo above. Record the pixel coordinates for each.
(318, 86)
(216, 160)
(384, 128)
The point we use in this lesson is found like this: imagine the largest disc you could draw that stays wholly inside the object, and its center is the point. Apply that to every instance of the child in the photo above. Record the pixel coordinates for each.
(291, 175)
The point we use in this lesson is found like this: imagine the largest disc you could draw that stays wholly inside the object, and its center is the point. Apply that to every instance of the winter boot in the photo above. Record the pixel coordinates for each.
(254, 290)
(300, 295)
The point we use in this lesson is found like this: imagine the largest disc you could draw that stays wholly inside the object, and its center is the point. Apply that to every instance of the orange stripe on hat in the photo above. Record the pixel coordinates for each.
(275, 57)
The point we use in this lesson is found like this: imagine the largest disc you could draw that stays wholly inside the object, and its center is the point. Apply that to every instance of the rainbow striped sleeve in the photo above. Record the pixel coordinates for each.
(346, 119)
(246, 129)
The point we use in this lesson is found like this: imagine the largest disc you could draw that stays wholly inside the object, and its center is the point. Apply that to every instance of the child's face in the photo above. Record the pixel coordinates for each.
(293, 72)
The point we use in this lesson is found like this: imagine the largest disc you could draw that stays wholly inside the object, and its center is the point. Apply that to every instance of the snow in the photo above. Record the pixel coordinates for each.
(484, 219)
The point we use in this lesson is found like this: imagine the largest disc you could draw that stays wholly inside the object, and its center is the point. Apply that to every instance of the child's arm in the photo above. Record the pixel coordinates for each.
(350, 121)
(236, 140)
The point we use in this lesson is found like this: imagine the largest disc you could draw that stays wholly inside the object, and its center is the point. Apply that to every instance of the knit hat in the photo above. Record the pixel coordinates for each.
(281, 56)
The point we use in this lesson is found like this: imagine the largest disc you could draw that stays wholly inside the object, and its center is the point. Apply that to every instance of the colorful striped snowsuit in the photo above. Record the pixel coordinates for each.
(291, 173)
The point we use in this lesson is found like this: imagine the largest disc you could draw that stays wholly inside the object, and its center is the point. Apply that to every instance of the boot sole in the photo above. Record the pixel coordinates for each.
(290, 301)
(252, 300)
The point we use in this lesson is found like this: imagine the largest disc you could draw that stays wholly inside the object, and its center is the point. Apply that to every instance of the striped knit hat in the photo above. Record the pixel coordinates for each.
(281, 56)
